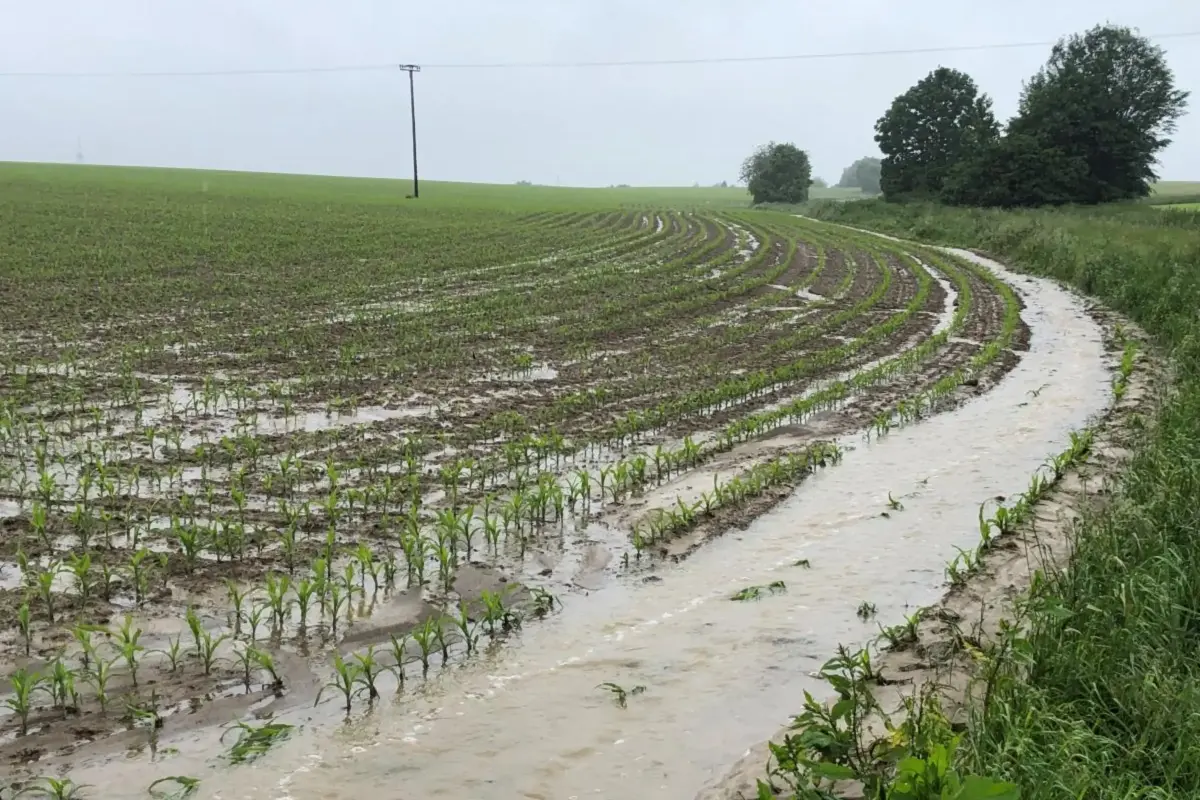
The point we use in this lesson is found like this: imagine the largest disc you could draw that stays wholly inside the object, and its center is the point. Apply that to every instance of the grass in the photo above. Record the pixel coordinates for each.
(1110, 708)
(1193, 207)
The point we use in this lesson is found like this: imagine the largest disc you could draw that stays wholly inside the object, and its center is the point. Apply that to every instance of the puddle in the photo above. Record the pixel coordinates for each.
(537, 372)
(528, 720)
(312, 421)
(803, 294)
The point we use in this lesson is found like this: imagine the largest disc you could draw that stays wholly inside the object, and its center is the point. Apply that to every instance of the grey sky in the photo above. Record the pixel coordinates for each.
(664, 125)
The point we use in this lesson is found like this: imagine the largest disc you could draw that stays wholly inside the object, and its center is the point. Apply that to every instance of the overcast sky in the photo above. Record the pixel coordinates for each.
(661, 125)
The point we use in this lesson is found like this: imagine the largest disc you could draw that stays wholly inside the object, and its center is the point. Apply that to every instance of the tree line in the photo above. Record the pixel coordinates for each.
(1088, 130)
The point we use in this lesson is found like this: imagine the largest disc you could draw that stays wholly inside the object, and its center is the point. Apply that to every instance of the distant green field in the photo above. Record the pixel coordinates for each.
(1180, 206)
(180, 183)
(1176, 188)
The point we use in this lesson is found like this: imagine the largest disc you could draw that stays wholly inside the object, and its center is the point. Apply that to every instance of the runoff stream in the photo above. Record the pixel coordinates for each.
(528, 720)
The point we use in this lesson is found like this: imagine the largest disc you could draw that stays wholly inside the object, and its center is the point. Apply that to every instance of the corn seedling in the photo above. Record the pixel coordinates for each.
(99, 677)
(465, 628)
(87, 648)
(306, 589)
(495, 613)
(62, 687)
(866, 610)
(367, 670)
(173, 652)
(20, 702)
(265, 662)
(208, 650)
(237, 598)
(400, 657)
(24, 623)
(345, 680)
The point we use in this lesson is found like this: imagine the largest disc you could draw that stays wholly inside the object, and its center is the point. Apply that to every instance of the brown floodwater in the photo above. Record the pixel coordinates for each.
(528, 721)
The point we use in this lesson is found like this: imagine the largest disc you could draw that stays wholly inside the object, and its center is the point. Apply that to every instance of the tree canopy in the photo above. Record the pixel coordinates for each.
(862, 174)
(777, 173)
(1088, 130)
(1095, 117)
(931, 128)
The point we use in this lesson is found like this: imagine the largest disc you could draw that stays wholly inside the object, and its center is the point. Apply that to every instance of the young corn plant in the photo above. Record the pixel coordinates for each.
(254, 741)
(367, 670)
(266, 663)
(44, 583)
(55, 789)
(306, 590)
(20, 701)
(465, 627)
(345, 680)
(277, 587)
(129, 648)
(24, 624)
(99, 678)
(400, 657)
(62, 687)
(426, 636)
(87, 648)
(208, 650)
(254, 618)
(237, 598)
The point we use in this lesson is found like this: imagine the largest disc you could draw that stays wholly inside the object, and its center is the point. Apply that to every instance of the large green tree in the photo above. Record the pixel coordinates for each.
(777, 173)
(1106, 99)
(939, 122)
(862, 174)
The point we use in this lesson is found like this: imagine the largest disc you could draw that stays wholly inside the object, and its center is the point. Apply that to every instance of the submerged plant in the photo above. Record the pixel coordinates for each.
(185, 787)
(758, 592)
(345, 680)
(620, 694)
(253, 741)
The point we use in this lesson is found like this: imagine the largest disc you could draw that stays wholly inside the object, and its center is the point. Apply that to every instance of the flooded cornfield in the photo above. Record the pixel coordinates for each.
(565, 504)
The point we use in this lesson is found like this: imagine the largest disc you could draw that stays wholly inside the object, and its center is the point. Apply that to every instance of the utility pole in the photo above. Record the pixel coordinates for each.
(412, 105)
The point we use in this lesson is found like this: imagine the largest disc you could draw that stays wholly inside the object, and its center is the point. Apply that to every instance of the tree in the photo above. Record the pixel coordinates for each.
(1104, 104)
(939, 122)
(777, 173)
(1016, 170)
(862, 174)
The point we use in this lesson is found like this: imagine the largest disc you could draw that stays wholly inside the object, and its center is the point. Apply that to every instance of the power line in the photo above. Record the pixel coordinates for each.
(565, 64)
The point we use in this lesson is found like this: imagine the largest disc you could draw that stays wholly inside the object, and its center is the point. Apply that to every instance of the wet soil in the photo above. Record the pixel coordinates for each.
(607, 606)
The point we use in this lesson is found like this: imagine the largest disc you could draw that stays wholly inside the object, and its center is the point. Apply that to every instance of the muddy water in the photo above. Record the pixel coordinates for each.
(527, 721)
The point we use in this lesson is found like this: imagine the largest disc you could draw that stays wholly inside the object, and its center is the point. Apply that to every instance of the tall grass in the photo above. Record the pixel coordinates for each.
(1110, 706)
